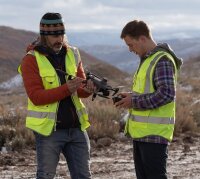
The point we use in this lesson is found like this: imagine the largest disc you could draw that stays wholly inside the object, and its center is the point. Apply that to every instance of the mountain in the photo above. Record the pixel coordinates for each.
(108, 46)
(116, 55)
(104, 46)
(186, 47)
(120, 56)
(12, 49)
(13, 43)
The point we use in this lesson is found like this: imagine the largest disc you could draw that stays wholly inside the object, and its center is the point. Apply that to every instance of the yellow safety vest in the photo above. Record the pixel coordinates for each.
(159, 121)
(42, 118)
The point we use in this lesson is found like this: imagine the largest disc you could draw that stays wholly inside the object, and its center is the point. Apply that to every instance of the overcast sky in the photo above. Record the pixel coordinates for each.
(110, 15)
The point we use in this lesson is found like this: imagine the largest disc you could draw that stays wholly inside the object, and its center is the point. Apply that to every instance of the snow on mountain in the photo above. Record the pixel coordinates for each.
(16, 81)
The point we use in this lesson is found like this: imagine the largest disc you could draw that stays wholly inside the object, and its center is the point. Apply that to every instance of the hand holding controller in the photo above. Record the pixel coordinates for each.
(116, 99)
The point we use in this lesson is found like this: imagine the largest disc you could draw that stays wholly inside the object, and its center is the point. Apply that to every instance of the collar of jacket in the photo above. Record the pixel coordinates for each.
(47, 51)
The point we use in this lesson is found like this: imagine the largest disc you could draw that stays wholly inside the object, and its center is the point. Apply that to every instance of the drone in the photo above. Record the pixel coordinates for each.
(102, 88)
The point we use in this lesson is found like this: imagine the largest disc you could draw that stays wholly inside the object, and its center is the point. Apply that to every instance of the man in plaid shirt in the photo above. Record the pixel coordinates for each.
(159, 76)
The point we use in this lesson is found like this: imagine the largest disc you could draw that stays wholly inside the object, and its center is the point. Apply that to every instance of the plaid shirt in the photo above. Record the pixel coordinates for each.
(164, 93)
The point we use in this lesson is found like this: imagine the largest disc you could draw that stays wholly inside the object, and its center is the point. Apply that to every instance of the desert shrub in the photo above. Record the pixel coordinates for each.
(13, 133)
(188, 98)
(17, 143)
(104, 119)
(196, 113)
(185, 120)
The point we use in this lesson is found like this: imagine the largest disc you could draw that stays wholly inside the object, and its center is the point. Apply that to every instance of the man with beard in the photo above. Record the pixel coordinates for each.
(151, 102)
(53, 77)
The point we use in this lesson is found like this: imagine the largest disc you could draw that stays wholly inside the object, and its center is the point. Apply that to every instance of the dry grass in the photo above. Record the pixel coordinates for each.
(188, 98)
(13, 134)
(104, 117)
(185, 113)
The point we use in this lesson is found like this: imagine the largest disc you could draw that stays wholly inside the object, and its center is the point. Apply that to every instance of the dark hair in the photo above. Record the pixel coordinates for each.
(135, 29)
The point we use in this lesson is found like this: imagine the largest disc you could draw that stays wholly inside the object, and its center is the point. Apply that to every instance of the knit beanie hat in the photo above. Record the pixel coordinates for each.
(52, 24)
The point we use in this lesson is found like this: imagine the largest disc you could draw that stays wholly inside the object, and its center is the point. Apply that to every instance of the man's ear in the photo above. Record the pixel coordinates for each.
(142, 38)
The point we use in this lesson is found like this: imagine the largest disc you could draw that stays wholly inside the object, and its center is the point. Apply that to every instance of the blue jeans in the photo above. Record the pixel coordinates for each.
(75, 146)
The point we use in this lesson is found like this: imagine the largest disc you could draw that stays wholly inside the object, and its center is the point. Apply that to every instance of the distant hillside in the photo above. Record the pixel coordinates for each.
(190, 75)
(12, 48)
(106, 46)
(191, 68)
(116, 55)
(13, 44)
(126, 61)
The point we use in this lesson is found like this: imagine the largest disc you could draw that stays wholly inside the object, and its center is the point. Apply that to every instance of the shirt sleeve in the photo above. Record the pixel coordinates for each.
(34, 86)
(164, 84)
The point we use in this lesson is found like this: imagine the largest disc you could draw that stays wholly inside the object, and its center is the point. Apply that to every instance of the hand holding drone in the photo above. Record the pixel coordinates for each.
(102, 88)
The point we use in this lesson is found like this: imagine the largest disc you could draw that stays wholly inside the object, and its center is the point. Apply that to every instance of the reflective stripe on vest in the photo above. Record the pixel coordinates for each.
(148, 76)
(50, 115)
(153, 120)
(41, 115)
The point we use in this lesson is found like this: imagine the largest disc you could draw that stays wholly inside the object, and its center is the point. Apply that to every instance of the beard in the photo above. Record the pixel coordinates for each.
(56, 47)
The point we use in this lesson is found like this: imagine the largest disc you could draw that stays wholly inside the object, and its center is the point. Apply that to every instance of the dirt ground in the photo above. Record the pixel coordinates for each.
(111, 162)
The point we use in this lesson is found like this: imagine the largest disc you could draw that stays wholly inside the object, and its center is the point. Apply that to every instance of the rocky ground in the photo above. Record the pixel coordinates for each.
(113, 161)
